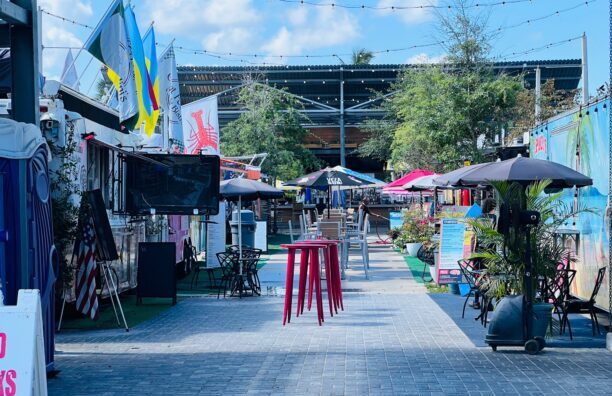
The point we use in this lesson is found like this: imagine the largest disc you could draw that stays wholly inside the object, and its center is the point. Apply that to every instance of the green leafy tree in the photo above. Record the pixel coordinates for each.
(271, 123)
(362, 56)
(447, 113)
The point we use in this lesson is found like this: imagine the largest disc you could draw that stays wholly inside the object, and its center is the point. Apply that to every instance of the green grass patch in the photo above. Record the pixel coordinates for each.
(204, 285)
(274, 242)
(416, 267)
(432, 288)
(134, 314)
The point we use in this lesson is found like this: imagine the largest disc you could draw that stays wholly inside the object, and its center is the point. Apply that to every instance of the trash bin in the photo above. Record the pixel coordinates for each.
(248, 227)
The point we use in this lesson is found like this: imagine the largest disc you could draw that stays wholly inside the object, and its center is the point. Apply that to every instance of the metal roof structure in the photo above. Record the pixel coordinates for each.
(319, 86)
(337, 99)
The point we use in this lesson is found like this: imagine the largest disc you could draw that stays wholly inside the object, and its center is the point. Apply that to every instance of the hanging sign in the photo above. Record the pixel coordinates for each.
(201, 126)
(452, 249)
(22, 351)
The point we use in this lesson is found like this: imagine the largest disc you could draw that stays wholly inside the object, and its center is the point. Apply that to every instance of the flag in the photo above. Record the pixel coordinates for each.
(150, 53)
(144, 88)
(85, 283)
(110, 44)
(170, 100)
(201, 126)
(69, 74)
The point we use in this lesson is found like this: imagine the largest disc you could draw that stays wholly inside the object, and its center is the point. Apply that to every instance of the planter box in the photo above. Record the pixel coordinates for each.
(412, 248)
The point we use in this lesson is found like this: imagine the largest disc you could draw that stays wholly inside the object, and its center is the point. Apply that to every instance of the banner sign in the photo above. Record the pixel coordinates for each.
(201, 126)
(396, 220)
(22, 351)
(451, 250)
(216, 237)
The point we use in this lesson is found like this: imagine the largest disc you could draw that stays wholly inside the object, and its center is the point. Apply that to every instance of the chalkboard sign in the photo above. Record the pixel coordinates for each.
(156, 272)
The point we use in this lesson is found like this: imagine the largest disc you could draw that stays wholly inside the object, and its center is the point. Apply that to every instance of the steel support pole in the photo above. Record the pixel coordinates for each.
(342, 132)
(538, 95)
(25, 66)
(585, 71)
(609, 335)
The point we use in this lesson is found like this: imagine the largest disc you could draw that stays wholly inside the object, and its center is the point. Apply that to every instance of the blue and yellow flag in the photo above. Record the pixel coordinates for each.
(146, 99)
(150, 53)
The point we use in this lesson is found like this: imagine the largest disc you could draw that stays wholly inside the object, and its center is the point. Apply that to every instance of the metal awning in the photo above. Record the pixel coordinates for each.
(122, 151)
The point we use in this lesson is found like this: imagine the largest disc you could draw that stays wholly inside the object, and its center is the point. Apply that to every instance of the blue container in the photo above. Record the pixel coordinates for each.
(28, 258)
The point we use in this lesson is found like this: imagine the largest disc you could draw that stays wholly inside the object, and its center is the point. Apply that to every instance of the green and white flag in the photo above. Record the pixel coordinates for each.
(109, 43)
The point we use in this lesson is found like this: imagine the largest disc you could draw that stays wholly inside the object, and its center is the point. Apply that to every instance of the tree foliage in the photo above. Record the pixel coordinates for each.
(446, 113)
(271, 123)
(362, 56)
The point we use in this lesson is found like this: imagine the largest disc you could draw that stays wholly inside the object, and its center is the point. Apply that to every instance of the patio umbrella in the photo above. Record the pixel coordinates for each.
(372, 181)
(421, 183)
(452, 178)
(326, 178)
(238, 189)
(408, 178)
(524, 171)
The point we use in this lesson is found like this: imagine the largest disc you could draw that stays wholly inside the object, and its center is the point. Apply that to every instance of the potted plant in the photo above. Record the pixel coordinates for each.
(503, 255)
(414, 232)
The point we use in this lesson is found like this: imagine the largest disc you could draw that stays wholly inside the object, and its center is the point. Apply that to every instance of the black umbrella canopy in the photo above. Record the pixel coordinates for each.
(453, 178)
(327, 177)
(526, 170)
(248, 190)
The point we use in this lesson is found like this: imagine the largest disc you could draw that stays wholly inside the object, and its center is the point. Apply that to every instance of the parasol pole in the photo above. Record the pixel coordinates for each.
(328, 200)
(240, 233)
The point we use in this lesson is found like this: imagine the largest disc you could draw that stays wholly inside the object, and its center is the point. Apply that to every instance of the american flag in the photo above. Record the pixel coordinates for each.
(85, 285)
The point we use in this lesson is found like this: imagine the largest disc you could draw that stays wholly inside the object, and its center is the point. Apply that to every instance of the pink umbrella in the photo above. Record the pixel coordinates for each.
(399, 183)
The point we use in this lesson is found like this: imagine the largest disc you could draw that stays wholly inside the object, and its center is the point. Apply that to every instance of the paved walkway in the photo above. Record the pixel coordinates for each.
(393, 338)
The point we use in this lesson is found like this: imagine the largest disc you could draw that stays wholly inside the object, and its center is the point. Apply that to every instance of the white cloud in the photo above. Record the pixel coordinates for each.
(423, 59)
(411, 16)
(67, 8)
(309, 29)
(190, 17)
(233, 39)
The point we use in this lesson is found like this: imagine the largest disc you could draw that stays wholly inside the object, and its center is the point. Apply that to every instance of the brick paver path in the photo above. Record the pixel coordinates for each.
(392, 339)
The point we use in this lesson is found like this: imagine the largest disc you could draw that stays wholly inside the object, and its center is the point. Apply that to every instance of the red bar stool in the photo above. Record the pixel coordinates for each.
(332, 271)
(311, 251)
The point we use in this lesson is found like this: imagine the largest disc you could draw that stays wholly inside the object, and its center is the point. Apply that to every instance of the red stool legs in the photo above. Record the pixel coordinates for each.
(302, 281)
(289, 286)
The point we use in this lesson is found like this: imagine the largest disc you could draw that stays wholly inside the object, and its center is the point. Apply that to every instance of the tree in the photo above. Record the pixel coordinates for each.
(447, 113)
(362, 57)
(271, 123)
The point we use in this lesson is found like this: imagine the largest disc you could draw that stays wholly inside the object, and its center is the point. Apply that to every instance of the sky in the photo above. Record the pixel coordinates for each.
(275, 28)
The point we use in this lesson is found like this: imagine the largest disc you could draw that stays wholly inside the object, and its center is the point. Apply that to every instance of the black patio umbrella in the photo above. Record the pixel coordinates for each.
(524, 171)
(453, 178)
(239, 189)
(326, 178)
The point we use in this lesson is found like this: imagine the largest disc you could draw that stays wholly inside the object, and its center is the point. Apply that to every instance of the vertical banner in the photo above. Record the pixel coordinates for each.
(216, 236)
(170, 100)
(201, 126)
(452, 249)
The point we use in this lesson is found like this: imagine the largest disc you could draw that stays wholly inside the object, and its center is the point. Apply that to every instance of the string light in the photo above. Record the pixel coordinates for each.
(402, 8)
(240, 57)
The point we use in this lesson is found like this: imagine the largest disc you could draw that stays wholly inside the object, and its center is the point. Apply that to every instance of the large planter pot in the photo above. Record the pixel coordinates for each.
(412, 248)
(506, 328)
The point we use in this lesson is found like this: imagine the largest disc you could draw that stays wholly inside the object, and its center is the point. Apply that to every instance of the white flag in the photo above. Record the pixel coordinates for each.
(201, 126)
(170, 100)
(69, 74)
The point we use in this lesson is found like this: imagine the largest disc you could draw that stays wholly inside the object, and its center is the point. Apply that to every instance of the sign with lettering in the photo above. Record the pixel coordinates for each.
(334, 181)
(452, 240)
(22, 351)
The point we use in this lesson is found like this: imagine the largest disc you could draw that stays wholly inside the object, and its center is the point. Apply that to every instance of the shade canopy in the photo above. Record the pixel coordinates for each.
(372, 181)
(454, 178)
(421, 183)
(328, 177)
(407, 178)
(526, 170)
(248, 190)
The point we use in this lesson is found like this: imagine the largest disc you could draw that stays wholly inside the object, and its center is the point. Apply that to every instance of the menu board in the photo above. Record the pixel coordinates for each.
(216, 237)
(451, 250)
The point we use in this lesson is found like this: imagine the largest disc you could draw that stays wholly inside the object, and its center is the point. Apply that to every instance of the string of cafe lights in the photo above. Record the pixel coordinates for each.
(241, 57)
(400, 7)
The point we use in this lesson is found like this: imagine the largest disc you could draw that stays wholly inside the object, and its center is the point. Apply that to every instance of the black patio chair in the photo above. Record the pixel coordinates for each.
(578, 305)
(468, 271)
(426, 255)
(228, 272)
(557, 293)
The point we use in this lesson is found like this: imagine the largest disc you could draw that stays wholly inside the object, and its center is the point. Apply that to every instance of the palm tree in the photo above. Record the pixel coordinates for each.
(362, 56)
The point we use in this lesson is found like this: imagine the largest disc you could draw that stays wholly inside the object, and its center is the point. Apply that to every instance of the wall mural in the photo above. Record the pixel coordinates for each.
(581, 141)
